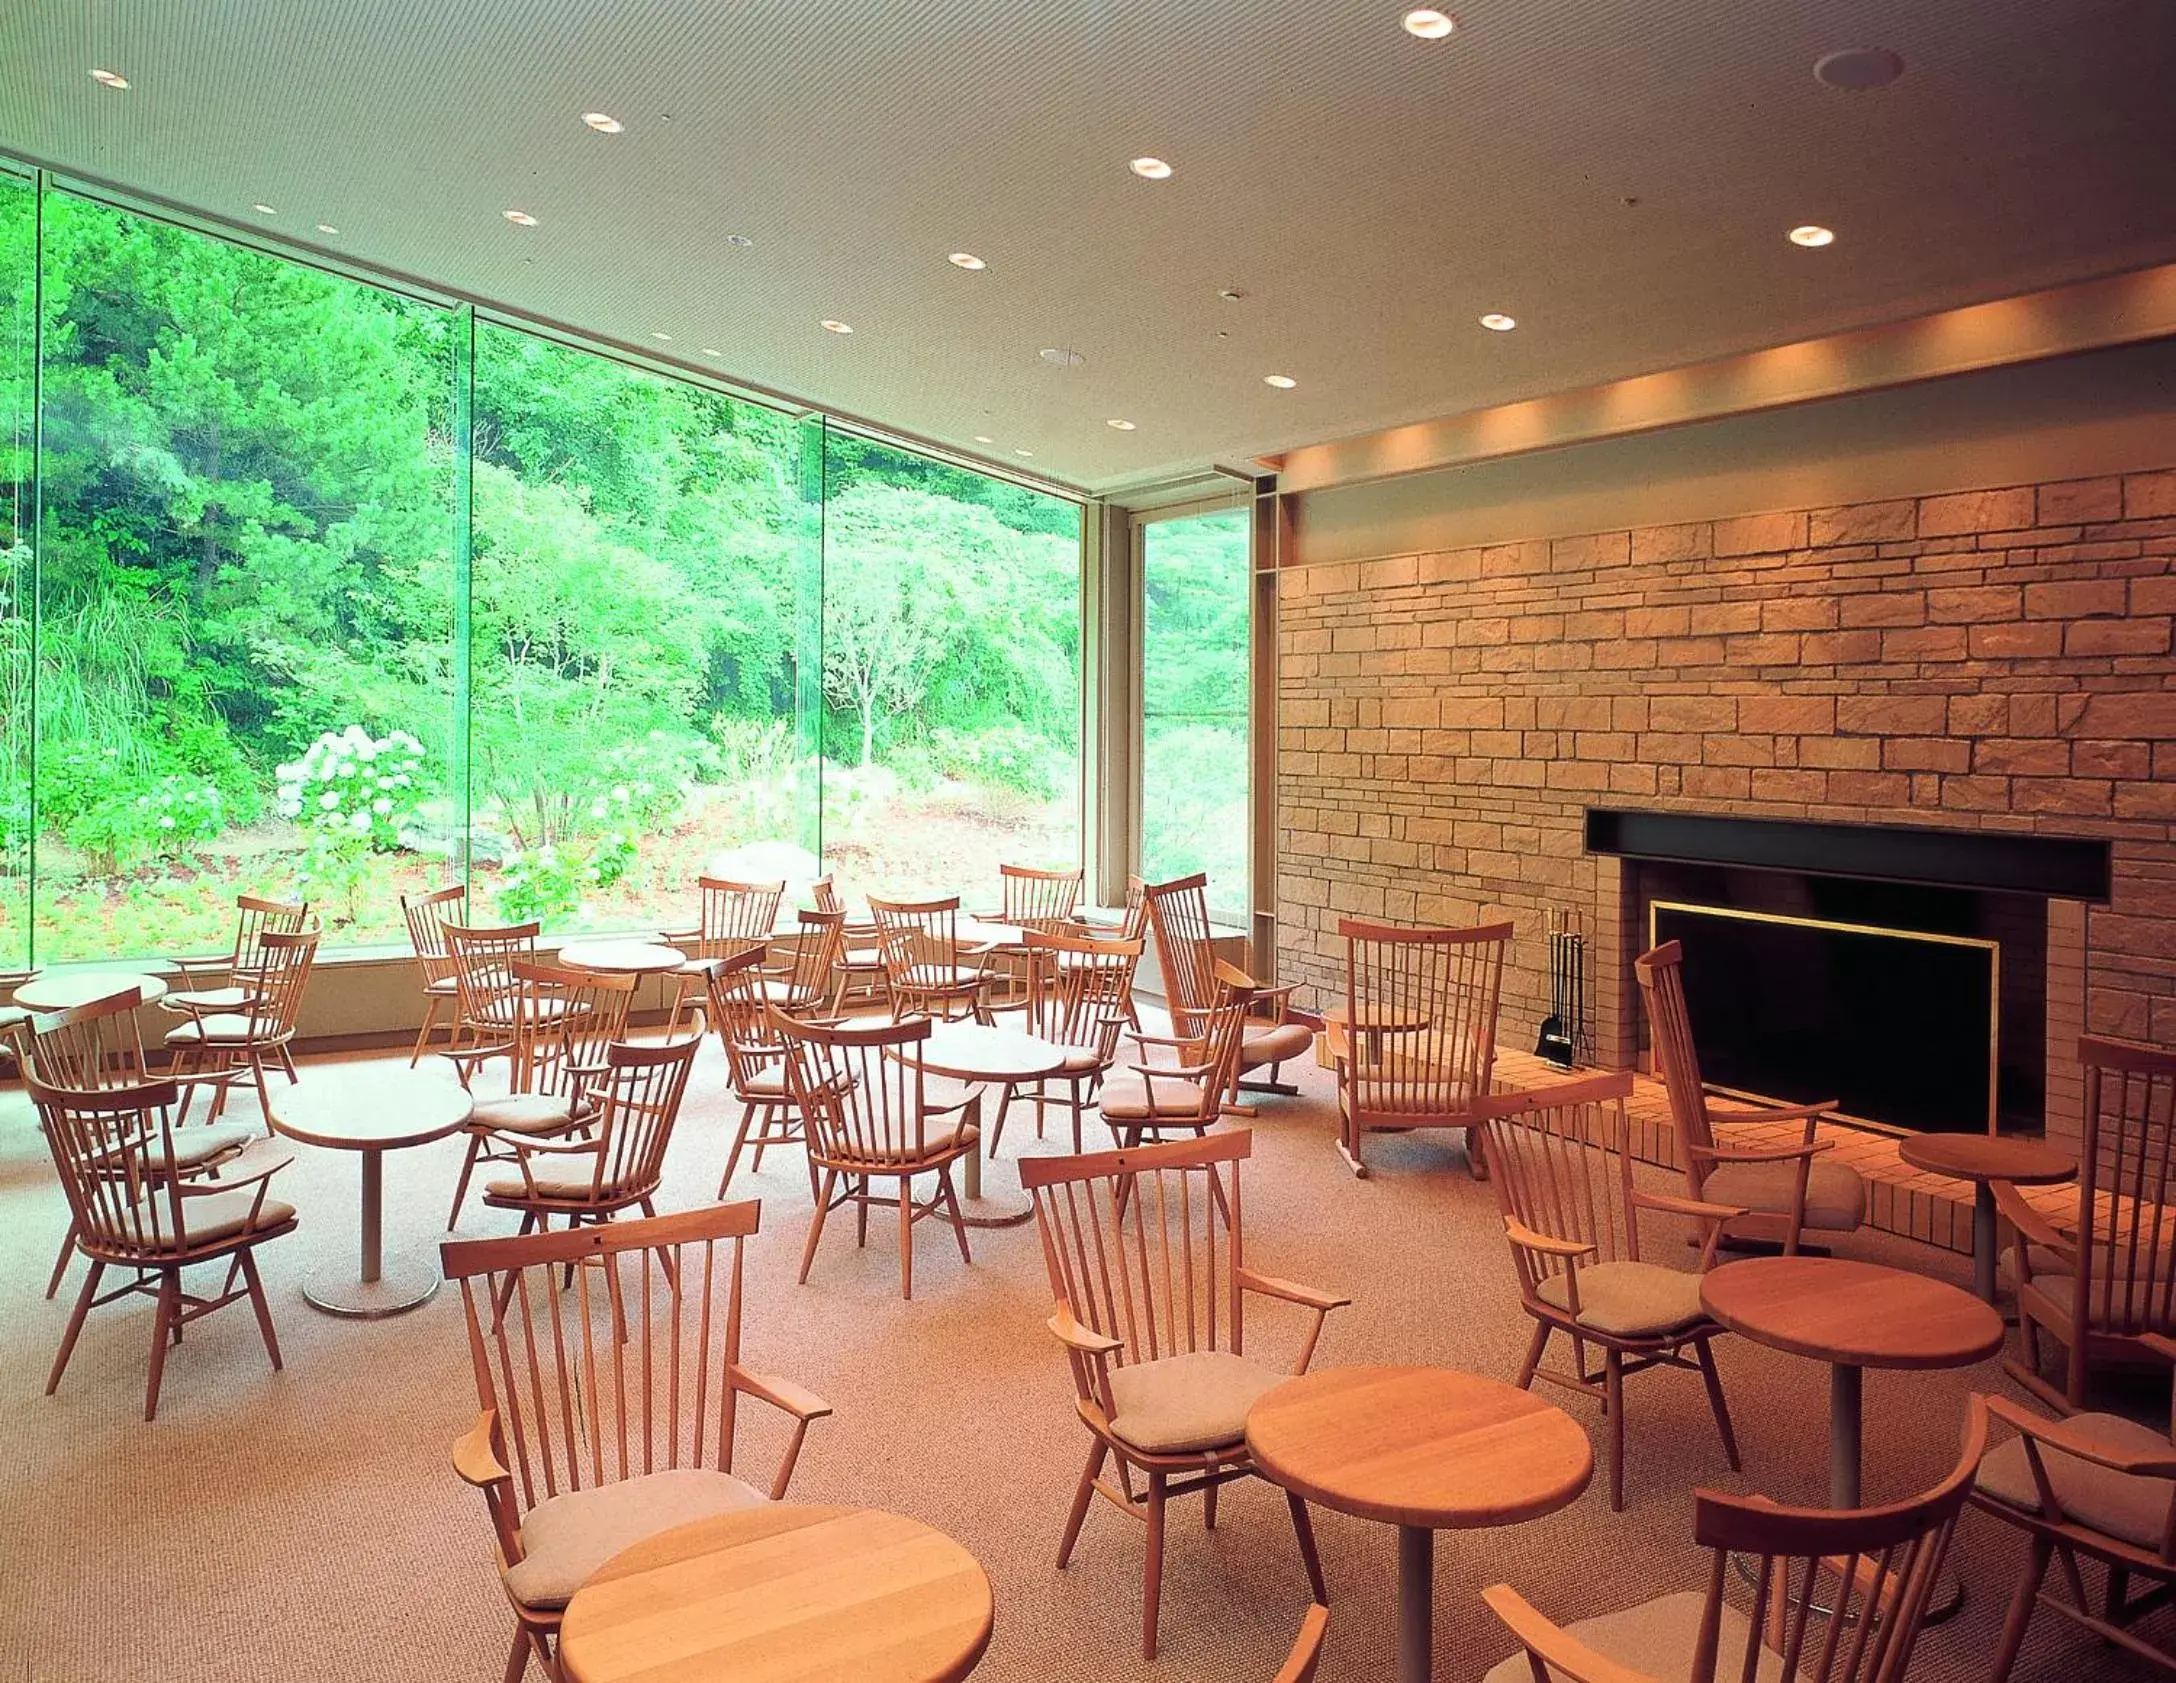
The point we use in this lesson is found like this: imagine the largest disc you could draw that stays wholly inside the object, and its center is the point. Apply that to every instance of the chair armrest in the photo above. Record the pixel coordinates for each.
(1082, 1340)
(1280, 997)
(781, 1393)
(1760, 1154)
(245, 1170)
(527, 1145)
(1559, 1649)
(1776, 1113)
(476, 1453)
(2160, 1344)
(1183, 1072)
(1698, 1208)
(2063, 1436)
(2032, 1224)
(1292, 1292)
(1528, 1240)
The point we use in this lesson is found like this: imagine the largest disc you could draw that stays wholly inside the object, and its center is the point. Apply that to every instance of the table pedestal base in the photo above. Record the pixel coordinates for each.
(398, 1289)
(1416, 1604)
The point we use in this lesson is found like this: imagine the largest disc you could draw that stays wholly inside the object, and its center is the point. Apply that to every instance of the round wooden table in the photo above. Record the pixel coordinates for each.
(1426, 1449)
(1853, 1316)
(64, 990)
(372, 1115)
(622, 958)
(979, 1053)
(1983, 1159)
(782, 1594)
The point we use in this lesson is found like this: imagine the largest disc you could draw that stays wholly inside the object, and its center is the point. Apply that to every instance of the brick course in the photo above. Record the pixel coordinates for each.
(1988, 660)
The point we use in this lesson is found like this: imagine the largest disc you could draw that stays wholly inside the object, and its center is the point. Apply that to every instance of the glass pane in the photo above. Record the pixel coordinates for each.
(951, 675)
(246, 591)
(18, 349)
(1195, 584)
(638, 542)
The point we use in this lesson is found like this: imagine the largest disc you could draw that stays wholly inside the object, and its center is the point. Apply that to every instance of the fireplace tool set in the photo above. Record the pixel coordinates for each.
(1564, 1032)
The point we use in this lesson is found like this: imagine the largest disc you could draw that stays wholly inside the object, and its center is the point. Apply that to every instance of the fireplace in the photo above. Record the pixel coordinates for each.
(1901, 971)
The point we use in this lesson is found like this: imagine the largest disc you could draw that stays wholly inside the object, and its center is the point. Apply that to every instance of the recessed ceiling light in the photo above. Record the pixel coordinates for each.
(109, 79)
(1020, 452)
(711, 351)
(966, 260)
(1429, 24)
(327, 228)
(1812, 234)
(1858, 68)
(984, 438)
(1058, 356)
(741, 240)
(603, 122)
(264, 210)
(519, 218)
(666, 337)
(1283, 382)
(1120, 426)
(1497, 322)
(1151, 169)
(830, 326)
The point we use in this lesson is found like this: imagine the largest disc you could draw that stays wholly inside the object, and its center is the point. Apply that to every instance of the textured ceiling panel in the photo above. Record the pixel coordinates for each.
(1619, 177)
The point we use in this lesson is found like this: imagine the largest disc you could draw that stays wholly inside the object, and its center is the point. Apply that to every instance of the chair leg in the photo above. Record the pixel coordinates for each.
(1613, 1389)
(460, 1186)
(75, 1327)
(264, 1088)
(246, 1256)
(1081, 1498)
(1303, 1527)
(906, 1236)
(287, 1062)
(164, 1325)
(1152, 1577)
(1534, 1349)
(517, 1662)
(2021, 1606)
(952, 1205)
(816, 1223)
(1208, 1505)
(431, 1003)
(60, 1262)
(732, 1157)
(1716, 1404)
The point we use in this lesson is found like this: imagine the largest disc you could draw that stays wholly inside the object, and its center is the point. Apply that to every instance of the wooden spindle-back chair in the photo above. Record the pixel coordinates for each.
(484, 957)
(224, 983)
(922, 970)
(866, 1116)
(1874, 1568)
(802, 981)
(133, 1211)
(1146, 1255)
(2099, 1283)
(1419, 1035)
(730, 916)
(426, 915)
(1146, 1101)
(2090, 1487)
(1033, 899)
(1783, 1189)
(1080, 996)
(858, 972)
(755, 1061)
(565, 1021)
(1561, 1159)
(100, 1045)
(221, 1046)
(621, 1162)
(1177, 913)
(608, 1406)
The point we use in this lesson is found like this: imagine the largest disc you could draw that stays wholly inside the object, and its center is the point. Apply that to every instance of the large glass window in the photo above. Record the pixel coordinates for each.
(951, 675)
(246, 590)
(1196, 579)
(640, 551)
(18, 352)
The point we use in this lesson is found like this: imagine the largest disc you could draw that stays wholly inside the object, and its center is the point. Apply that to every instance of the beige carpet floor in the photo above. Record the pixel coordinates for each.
(306, 1524)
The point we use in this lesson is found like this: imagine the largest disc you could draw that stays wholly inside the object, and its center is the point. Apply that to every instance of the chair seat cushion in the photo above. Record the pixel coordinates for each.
(1274, 1043)
(940, 1136)
(1657, 1639)
(1182, 1403)
(2123, 1505)
(1629, 1299)
(1127, 1096)
(1835, 1195)
(195, 1147)
(943, 976)
(565, 1538)
(220, 1028)
(1081, 1060)
(567, 1175)
(446, 987)
(524, 1113)
(220, 1215)
(208, 999)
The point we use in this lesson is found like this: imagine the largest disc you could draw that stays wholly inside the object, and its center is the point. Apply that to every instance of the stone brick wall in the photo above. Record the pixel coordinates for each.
(1988, 659)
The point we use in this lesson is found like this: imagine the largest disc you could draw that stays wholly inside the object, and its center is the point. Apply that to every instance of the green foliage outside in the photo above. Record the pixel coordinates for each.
(246, 672)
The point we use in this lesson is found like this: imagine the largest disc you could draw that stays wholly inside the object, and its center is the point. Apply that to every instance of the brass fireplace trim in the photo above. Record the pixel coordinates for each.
(1993, 949)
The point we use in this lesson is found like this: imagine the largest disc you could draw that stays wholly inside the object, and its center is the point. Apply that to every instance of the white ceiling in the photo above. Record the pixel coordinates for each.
(1617, 175)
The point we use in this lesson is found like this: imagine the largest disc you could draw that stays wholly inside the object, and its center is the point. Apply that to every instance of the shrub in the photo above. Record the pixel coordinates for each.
(1005, 756)
(354, 790)
(550, 884)
(120, 831)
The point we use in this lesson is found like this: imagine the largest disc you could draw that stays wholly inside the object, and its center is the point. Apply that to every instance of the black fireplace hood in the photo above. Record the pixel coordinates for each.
(2055, 867)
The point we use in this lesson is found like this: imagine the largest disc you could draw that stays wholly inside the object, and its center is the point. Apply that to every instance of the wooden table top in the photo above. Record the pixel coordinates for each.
(978, 1052)
(782, 1594)
(1854, 1314)
(65, 990)
(379, 1112)
(1420, 1446)
(622, 958)
(1979, 1157)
